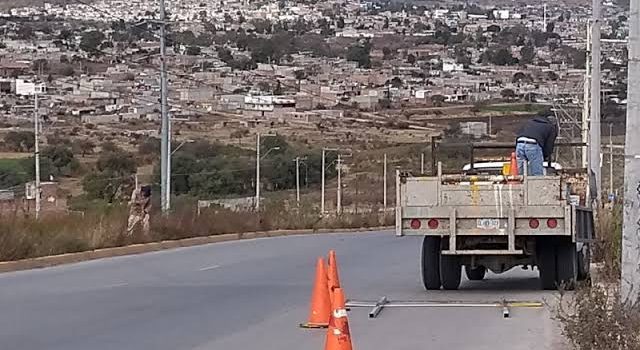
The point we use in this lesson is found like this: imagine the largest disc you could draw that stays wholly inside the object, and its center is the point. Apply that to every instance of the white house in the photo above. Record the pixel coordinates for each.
(26, 88)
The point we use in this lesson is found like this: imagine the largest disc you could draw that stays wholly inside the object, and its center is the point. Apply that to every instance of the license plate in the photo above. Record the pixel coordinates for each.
(488, 224)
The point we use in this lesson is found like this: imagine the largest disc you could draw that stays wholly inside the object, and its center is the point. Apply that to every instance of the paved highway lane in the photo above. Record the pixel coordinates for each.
(252, 294)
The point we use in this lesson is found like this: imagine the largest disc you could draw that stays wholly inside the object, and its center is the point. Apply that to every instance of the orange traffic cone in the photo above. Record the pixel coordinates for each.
(334, 280)
(320, 311)
(513, 166)
(338, 334)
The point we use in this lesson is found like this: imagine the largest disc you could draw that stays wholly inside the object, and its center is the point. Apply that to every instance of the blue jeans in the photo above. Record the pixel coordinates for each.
(532, 154)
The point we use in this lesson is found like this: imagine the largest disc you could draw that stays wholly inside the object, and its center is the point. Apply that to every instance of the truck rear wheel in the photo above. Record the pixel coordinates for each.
(450, 271)
(546, 262)
(476, 274)
(567, 264)
(430, 265)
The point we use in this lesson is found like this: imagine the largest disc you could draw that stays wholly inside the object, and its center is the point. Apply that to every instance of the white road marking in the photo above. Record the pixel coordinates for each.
(207, 268)
(122, 284)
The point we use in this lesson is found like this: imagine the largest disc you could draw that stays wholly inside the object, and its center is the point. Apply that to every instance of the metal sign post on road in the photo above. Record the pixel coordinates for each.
(630, 278)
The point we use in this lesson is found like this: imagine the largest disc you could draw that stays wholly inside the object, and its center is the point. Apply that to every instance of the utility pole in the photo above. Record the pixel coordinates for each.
(544, 18)
(339, 194)
(298, 180)
(630, 279)
(587, 102)
(258, 172)
(258, 144)
(422, 163)
(594, 143)
(36, 153)
(165, 154)
(384, 183)
(324, 154)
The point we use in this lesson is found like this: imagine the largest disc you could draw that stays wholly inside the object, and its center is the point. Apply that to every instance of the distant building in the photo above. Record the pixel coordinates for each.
(501, 14)
(26, 88)
(475, 129)
(268, 106)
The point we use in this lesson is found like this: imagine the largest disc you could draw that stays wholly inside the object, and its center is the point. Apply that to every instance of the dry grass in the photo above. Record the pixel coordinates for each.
(22, 238)
(608, 248)
(594, 317)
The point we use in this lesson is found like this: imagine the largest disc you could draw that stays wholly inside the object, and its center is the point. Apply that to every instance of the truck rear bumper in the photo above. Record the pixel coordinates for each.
(483, 252)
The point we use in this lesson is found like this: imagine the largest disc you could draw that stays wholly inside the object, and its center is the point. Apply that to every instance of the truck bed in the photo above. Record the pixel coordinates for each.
(488, 206)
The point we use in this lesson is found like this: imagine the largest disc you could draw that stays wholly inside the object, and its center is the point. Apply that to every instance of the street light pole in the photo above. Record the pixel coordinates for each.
(257, 172)
(384, 183)
(339, 193)
(422, 163)
(298, 181)
(322, 186)
(36, 126)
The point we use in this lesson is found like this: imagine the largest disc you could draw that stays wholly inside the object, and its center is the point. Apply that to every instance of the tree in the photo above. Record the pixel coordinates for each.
(360, 53)
(193, 51)
(66, 70)
(40, 65)
(507, 93)
(10, 177)
(527, 54)
(551, 75)
(494, 28)
(396, 82)
(262, 26)
(499, 57)
(110, 147)
(340, 22)
(113, 176)
(19, 141)
(437, 100)
(462, 55)
(90, 42)
(411, 58)
(550, 27)
(387, 53)
(83, 147)
(521, 77)
(60, 156)
(149, 146)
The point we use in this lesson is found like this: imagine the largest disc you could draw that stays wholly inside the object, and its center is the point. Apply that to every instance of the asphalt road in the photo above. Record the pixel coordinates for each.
(252, 294)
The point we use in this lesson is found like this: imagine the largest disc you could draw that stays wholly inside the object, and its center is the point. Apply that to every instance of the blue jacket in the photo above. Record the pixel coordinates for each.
(541, 130)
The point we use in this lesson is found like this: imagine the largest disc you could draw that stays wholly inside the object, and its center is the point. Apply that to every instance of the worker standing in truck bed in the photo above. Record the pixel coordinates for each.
(535, 142)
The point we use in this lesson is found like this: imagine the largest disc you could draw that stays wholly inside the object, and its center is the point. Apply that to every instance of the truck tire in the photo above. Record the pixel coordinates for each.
(546, 262)
(450, 271)
(476, 274)
(584, 261)
(430, 265)
(566, 264)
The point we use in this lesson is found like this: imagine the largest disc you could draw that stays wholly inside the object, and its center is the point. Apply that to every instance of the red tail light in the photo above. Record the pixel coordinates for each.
(552, 223)
(534, 223)
(433, 224)
(415, 224)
